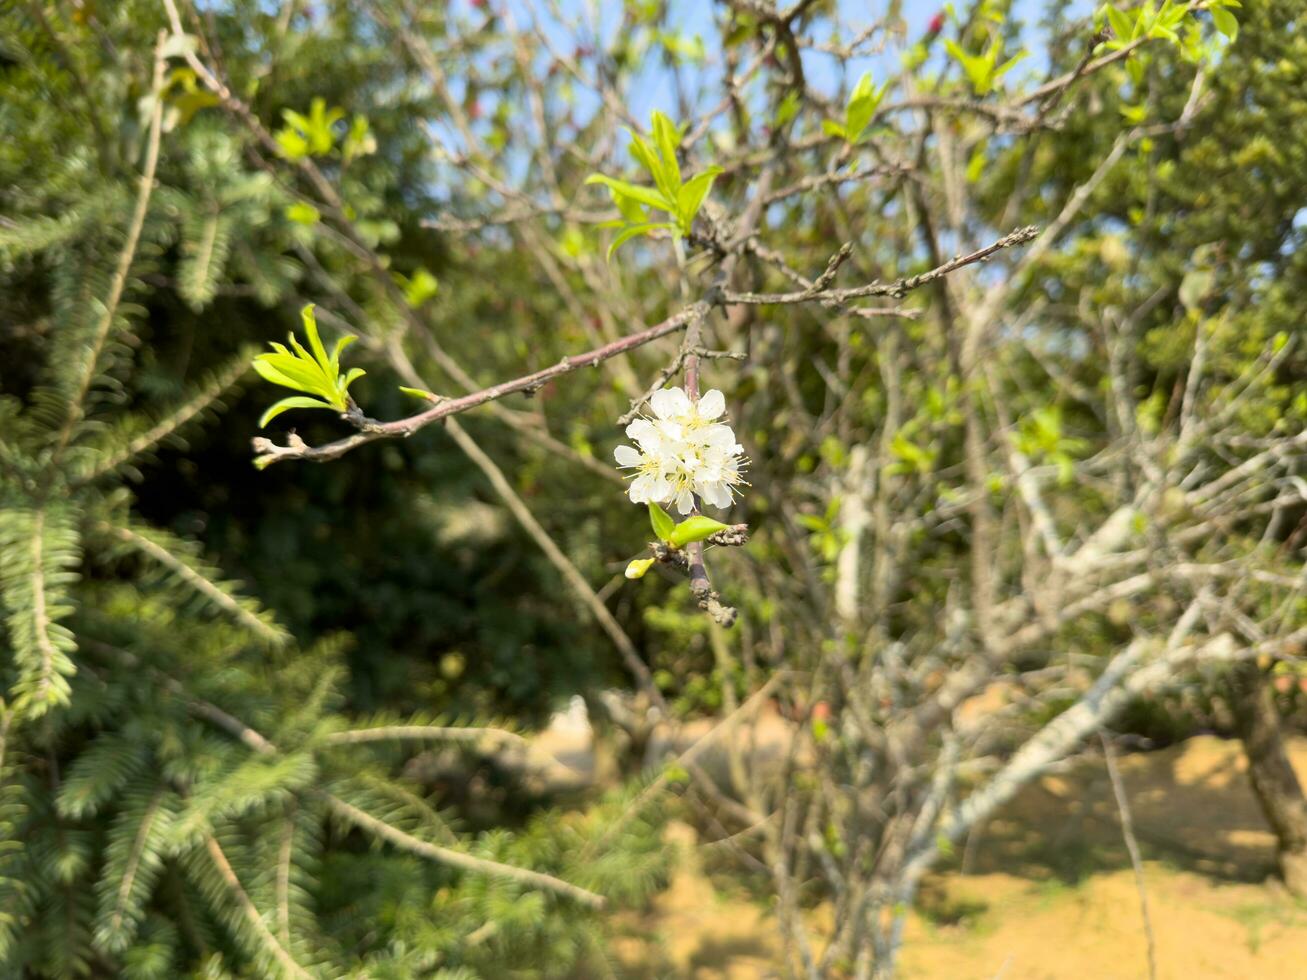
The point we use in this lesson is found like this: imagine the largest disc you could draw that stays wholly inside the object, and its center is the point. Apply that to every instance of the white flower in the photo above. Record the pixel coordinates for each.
(682, 452)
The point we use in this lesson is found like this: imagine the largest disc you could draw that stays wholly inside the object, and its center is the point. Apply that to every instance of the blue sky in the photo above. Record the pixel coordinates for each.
(824, 73)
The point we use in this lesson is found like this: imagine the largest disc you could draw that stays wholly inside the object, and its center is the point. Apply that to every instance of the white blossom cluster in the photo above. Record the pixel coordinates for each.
(682, 452)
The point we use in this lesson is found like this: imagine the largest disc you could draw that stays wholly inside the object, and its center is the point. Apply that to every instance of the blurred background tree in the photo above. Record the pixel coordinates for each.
(203, 794)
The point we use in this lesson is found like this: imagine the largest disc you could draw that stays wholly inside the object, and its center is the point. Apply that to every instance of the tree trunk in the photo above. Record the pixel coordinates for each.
(1274, 781)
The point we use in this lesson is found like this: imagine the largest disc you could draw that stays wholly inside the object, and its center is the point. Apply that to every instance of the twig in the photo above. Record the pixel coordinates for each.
(269, 452)
(438, 733)
(899, 288)
(688, 757)
(457, 859)
(117, 285)
(1132, 845)
(443, 409)
(248, 909)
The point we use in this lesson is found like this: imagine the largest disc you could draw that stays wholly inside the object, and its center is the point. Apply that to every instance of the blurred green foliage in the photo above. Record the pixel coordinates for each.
(399, 588)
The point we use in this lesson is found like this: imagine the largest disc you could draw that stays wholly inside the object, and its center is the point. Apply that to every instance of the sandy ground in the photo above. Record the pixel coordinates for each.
(1048, 893)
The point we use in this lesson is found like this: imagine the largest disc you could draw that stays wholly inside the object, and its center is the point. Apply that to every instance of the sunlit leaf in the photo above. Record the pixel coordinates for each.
(295, 401)
(694, 529)
(662, 522)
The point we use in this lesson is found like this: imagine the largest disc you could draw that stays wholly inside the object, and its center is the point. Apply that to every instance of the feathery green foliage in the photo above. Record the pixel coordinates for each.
(171, 781)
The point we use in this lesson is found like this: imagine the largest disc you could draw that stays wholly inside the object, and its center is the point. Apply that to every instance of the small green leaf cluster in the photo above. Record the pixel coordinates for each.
(683, 49)
(418, 288)
(184, 95)
(316, 373)
(309, 135)
(1167, 23)
(680, 199)
(984, 70)
(693, 529)
(1041, 437)
(314, 135)
(826, 536)
(1151, 22)
(864, 100)
(909, 456)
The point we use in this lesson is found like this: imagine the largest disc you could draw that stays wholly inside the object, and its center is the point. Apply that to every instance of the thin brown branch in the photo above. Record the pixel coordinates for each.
(820, 290)
(457, 859)
(445, 407)
(1132, 845)
(252, 914)
(117, 285)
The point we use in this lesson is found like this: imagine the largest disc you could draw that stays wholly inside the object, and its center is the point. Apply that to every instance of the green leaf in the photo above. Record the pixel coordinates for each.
(289, 372)
(832, 128)
(675, 774)
(692, 194)
(667, 138)
(303, 214)
(1135, 68)
(1006, 66)
(422, 287)
(286, 404)
(634, 231)
(694, 529)
(968, 62)
(311, 135)
(1122, 26)
(645, 156)
(913, 457)
(1225, 22)
(787, 110)
(633, 212)
(983, 70)
(863, 90)
(645, 195)
(862, 107)
(341, 344)
(359, 141)
(662, 522)
(1134, 114)
(292, 144)
(310, 321)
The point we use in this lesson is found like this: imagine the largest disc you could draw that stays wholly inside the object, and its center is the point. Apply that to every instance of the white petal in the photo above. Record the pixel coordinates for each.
(645, 433)
(719, 436)
(671, 431)
(661, 489)
(715, 494)
(712, 404)
(640, 489)
(626, 456)
(685, 502)
(668, 403)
